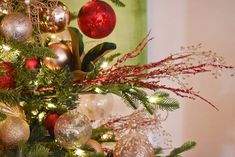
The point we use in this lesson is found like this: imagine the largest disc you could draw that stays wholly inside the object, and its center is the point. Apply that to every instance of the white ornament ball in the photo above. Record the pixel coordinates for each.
(96, 106)
(17, 27)
(72, 130)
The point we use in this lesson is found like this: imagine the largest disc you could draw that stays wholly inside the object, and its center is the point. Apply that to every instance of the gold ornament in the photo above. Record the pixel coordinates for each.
(64, 56)
(16, 26)
(13, 130)
(95, 145)
(54, 20)
(133, 145)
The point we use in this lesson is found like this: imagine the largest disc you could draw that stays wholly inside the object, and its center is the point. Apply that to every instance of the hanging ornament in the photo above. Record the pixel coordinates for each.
(14, 129)
(96, 106)
(72, 129)
(96, 19)
(50, 121)
(95, 145)
(133, 145)
(32, 63)
(6, 75)
(54, 20)
(64, 56)
(16, 26)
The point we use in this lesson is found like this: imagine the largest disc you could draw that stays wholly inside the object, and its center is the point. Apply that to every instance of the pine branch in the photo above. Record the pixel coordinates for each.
(38, 151)
(185, 147)
(2, 116)
(11, 97)
(118, 3)
(129, 100)
(169, 104)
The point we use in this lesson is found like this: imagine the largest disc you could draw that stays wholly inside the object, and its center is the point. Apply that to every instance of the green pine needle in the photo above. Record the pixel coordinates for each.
(185, 147)
(2, 116)
(118, 3)
(169, 104)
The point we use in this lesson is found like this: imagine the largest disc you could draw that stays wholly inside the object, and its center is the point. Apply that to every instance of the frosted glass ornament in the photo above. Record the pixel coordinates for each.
(96, 106)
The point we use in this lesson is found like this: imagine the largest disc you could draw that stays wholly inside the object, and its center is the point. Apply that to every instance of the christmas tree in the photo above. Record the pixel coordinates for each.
(54, 93)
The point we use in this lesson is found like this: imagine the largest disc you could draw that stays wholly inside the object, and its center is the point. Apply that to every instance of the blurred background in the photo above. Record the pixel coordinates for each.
(212, 23)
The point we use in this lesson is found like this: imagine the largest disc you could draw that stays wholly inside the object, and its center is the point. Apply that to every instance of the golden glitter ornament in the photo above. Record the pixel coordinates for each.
(133, 145)
(64, 56)
(13, 130)
(17, 27)
(54, 20)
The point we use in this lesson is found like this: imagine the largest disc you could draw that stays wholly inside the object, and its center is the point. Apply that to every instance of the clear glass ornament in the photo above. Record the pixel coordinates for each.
(72, 129)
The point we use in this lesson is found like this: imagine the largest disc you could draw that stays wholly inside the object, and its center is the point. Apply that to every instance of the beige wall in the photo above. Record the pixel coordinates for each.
(176, 23)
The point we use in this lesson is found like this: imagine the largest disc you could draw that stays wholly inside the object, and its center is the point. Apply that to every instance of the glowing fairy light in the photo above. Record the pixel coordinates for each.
(80, 153)
(35, 112)
(98, 90)
(50, 105)
(104, 65)
(6, 47)
(41, 116)
(153, 99)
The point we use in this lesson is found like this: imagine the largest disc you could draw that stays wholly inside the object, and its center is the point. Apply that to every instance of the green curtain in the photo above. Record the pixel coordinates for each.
(130, 29)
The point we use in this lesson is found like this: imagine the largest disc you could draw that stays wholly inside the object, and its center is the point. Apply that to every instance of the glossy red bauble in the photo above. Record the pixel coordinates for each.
(32, 63)
(50, 121)
(6, 75)
(96, 19)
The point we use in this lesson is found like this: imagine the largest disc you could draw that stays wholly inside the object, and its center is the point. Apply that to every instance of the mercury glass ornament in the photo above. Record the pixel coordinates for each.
(54, 20)
(13, 131)
(96, 106)
(133, 145)
(16, 26)
(72, 130)
(64, 56)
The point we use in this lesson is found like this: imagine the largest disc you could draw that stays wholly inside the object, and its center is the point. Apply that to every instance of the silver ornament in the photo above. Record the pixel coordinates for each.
(133, 145)
(72, 130)
(16, 26)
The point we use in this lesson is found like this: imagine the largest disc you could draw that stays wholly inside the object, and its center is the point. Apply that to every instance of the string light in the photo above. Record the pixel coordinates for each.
(104, 65)
(41, 116)
(80, 152)
(6, 47)
(35, 112)
(98, 90)
(153, 99)
(50, 105)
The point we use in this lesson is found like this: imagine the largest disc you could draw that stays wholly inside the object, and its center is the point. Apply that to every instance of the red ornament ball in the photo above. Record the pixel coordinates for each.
(6, 75)
(96, 19)
(32, 63)
(50, 121)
